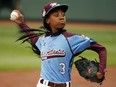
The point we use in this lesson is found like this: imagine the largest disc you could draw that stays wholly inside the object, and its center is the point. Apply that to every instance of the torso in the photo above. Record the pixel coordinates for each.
(57, 57)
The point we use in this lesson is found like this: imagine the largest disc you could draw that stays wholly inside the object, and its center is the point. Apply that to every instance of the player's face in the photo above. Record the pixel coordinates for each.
(56, 20)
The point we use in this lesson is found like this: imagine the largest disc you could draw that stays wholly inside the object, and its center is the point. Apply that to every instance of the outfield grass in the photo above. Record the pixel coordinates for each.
(15, 56)
(12, 54)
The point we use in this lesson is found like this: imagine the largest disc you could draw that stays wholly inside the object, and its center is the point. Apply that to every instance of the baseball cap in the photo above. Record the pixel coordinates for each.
(53, 5)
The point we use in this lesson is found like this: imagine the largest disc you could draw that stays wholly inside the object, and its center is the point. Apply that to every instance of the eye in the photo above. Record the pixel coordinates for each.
(55, 14)
(63, 14)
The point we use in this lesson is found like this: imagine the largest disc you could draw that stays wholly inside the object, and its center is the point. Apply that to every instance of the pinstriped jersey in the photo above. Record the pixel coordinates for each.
(57, 53)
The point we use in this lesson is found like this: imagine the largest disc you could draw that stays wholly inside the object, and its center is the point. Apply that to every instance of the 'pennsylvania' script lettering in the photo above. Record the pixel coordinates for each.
(52, 53)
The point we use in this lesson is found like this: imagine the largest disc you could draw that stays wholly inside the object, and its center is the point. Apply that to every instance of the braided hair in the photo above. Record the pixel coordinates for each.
(37, 33)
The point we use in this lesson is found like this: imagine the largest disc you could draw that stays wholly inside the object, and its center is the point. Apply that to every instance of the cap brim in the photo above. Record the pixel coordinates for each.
(64, 8)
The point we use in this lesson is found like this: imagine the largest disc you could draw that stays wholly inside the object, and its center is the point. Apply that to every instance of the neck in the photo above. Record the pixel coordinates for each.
(58, 32)
(54, 31)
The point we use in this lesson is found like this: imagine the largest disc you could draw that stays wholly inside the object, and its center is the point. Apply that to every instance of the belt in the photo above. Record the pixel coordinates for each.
(52, 84)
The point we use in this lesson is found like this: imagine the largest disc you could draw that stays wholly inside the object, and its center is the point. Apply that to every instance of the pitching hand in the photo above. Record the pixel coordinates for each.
(19, 19)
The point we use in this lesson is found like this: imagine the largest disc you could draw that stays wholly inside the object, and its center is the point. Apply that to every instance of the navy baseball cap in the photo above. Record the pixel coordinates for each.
(51, 6)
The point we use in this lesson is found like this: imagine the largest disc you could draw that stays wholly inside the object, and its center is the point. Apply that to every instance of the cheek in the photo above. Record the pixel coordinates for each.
(52, 22)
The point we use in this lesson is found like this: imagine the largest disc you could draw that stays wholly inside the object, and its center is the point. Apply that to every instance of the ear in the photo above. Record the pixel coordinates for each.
(47, 21)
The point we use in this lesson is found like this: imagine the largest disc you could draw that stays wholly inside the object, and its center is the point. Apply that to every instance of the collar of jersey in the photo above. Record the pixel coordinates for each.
(57, 33)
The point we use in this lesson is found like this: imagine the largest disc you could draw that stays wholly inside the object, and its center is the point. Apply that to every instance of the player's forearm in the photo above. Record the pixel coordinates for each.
(102, 55)
(23, 26)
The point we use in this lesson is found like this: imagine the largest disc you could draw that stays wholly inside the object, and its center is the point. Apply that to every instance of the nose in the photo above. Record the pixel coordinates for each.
(61, 17)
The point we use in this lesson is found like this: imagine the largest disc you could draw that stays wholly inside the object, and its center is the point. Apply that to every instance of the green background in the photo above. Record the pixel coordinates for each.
(79, 10)
(14, 56)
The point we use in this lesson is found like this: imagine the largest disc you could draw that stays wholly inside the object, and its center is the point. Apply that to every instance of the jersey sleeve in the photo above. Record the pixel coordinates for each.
(79, 43)
(102, 52)
(23, 26)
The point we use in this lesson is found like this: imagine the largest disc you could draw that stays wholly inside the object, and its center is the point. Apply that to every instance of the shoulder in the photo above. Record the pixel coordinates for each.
(77, 36)
(68, 34)
(72, 35)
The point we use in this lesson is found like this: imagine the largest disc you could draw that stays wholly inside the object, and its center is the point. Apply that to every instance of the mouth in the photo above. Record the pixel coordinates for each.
(61, 22)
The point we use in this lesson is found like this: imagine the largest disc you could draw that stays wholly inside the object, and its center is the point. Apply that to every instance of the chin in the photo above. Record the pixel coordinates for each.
(61, 27)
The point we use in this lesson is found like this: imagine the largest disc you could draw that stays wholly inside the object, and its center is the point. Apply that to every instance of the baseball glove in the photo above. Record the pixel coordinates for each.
(88, 69)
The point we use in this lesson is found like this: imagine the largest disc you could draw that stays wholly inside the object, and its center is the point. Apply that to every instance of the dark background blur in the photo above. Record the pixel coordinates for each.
(79, 10)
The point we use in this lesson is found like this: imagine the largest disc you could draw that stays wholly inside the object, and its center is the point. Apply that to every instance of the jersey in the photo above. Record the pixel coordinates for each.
(57, 53)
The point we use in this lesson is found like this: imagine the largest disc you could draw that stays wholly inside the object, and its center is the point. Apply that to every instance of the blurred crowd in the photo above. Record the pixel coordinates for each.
(9, 5)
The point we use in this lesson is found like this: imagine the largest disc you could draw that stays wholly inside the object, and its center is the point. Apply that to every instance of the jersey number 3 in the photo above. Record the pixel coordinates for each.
(62, 71)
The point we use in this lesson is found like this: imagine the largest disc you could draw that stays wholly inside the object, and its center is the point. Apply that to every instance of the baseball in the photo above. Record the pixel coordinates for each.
(14, 15)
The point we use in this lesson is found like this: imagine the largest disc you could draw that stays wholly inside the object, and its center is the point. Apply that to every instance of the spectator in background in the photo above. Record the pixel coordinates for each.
(9, 4)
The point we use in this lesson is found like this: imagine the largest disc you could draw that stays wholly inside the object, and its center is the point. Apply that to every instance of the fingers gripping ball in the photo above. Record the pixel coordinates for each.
(88, 69)
(14, 15)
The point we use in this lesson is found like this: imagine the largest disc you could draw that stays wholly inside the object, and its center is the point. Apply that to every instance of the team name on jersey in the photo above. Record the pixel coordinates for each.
(52, 53)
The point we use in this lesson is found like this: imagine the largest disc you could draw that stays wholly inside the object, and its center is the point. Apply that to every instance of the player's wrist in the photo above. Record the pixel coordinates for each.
(102, 71)
(99, 75)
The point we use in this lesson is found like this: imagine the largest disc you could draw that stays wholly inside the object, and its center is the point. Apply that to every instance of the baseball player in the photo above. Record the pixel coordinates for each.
(58, 48)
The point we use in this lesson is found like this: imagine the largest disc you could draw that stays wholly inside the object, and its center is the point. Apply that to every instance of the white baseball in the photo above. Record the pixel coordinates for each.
(13, 15)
